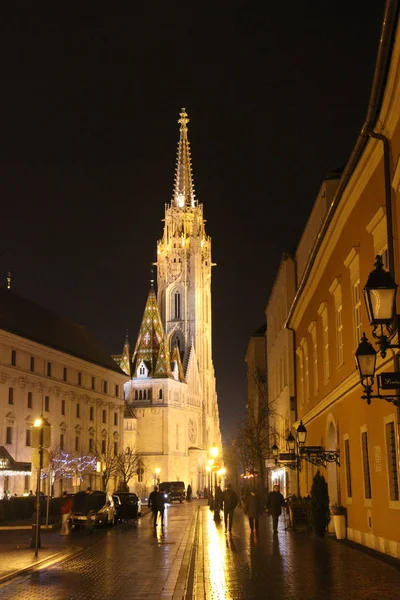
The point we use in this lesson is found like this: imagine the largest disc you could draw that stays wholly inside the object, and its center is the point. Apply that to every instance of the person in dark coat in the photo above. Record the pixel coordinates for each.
(156, 503)
(253, 507)
(230, 502)
(275, 503)
(219, 498)
(189, 493)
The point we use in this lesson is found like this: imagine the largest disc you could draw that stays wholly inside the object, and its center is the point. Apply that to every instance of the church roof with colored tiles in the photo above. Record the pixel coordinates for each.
(151, 346)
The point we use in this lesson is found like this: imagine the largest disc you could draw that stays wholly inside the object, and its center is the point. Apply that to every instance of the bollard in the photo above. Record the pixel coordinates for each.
(33, 538)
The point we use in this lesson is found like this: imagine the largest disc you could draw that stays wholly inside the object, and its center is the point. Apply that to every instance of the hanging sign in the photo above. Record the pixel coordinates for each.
(389, 381)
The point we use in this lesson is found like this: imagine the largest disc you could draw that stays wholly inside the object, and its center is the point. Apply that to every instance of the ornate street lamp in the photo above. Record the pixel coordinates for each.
(301, 435)
(317, 455)
(380, 299)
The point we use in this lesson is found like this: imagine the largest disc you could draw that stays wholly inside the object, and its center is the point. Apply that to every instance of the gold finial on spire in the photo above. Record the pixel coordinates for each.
(184, 119)
(9, 279)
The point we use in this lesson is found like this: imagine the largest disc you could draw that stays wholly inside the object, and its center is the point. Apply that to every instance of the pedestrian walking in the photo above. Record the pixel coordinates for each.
(230, 500)
(65, 510)
(253, 506)
(275, 504)
(156, 503)
(189, 493)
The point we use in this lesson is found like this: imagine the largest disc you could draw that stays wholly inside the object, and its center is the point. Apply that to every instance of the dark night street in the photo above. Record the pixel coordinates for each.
(194, 558)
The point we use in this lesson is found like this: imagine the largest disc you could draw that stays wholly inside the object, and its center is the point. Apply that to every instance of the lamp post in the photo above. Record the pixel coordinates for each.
(380, 300)
(41, 439)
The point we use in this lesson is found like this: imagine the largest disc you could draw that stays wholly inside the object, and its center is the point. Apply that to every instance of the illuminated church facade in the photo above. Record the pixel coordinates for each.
(172, 413)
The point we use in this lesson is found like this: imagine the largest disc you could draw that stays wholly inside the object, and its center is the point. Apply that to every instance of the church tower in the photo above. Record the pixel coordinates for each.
(171, 402)
(184, 279)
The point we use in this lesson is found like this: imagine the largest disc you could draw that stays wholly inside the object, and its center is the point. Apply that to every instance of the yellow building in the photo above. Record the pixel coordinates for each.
(328, 317)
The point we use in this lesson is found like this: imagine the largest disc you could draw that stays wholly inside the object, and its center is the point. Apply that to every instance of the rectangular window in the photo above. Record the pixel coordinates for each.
(49, 369)
(339, 328)
(367, 474)
(63, 407)
(28, 438)
(30, 401)
(79, 378)
(32, 363)
(105, 387)
(61, 441)
(65, 373)
(115, 448)
(47, 403)
(104, 416)
(91, 413)
(10, 395)
(77, 443)
(91, 445)
(301, 375)
(357, 313)
(93, 383)
(14, 358)
(115, 419)
(392, 461)
(326, 348)
(117, 390)
(348, 468)
(306, 373)
(103, 446)
(8, 435)
(78, 411)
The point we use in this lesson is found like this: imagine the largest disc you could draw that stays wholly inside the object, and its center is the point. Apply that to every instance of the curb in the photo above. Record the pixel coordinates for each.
(51, 560)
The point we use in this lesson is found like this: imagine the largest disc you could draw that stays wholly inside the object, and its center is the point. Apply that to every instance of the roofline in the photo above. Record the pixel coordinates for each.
(382, 65)
(117, 370)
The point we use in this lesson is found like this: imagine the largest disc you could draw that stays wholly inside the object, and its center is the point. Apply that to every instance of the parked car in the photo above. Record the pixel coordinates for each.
(128, 506)
(96, 509)
(173, 490)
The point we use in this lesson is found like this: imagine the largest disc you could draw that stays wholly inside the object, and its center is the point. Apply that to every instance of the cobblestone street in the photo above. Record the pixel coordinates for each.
(134, 563)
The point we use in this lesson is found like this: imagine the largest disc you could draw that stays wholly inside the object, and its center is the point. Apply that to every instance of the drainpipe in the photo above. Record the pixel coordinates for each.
(294, 368)
(390, 238)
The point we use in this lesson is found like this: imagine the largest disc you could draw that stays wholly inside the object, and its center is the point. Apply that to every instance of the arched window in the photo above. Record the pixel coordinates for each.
(160, 394)
(144, 395)
(149, 394)
(177, 305)
(141, 370)
(140, 395)
(136, 395)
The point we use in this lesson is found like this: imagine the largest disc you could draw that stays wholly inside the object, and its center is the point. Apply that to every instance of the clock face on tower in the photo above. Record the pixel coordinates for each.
(192, 430)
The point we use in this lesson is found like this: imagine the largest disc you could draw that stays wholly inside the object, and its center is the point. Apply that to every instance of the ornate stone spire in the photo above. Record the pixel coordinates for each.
(151, 347)
(183, 194)
(125, 364)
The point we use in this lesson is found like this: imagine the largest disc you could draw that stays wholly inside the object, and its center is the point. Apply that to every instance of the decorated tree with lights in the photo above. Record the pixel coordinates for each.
(65, 465)
(127, 464)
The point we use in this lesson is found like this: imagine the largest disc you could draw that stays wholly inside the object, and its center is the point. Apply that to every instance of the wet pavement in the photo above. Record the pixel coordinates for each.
(194, 558)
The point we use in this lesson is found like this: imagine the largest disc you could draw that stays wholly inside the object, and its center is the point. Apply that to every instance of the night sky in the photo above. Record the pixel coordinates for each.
(276, 94)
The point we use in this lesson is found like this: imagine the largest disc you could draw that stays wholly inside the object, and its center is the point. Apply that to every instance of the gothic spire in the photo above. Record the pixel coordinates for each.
(125, 364)
(151, 349)
(183, 193)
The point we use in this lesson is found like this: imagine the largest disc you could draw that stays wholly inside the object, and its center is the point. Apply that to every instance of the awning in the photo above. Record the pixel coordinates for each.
(10, 467)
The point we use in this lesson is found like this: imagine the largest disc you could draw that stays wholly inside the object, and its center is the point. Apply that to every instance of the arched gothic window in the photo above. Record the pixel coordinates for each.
(140, 395)
(177, 305)
(136, 395)
(160, 394)
(144, 395)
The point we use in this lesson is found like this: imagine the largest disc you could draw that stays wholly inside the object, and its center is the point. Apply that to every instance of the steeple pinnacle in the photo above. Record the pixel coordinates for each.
(183, 194)
(125, 364)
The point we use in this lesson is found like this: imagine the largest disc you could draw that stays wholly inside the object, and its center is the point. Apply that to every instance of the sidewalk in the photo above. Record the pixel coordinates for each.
(17, 558)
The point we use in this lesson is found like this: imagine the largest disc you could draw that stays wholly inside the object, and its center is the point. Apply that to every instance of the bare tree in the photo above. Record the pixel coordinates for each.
(253, 432)
(106, 456)
(127, 464)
